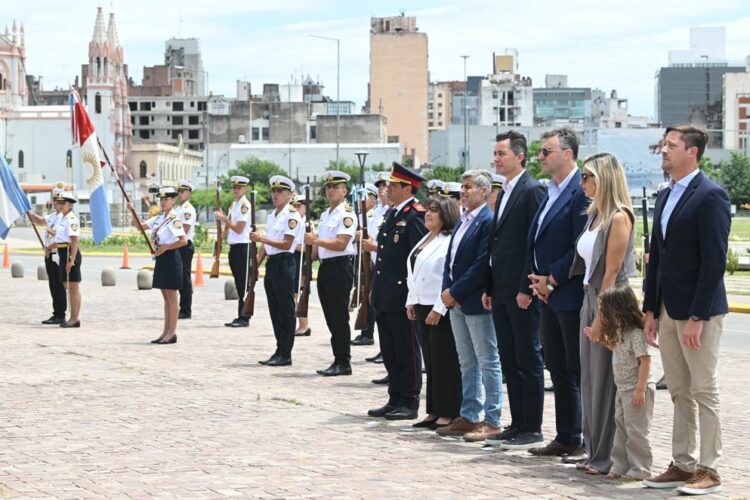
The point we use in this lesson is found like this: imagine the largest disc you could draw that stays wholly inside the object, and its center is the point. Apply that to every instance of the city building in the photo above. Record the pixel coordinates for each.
(399, 81)
(690, 88)
(165, 162)
(612, 112)
(439, 101)
(560, 104)
(736, 109)
(505, 97)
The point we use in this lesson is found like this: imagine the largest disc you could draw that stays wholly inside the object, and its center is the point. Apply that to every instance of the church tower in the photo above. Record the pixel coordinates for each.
(105, 91)
(13, 90)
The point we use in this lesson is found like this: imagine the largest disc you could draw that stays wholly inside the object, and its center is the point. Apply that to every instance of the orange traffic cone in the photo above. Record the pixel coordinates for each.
(125, 264)
(199, 272)
(6, 257)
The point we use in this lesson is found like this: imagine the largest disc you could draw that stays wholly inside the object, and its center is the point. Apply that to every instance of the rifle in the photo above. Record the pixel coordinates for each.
(304, 296)
(248, 308)
(217, 243)
(354, 303)
(366, 265)
(646, 239)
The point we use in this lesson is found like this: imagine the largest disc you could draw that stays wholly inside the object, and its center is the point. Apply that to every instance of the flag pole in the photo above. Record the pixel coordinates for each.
(38, 236)
(122, 188)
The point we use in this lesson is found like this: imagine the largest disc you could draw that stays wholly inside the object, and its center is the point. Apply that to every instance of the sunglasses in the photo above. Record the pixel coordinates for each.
(547, 151)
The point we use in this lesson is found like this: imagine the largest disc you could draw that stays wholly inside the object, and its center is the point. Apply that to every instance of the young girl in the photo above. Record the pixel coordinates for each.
(620, 329)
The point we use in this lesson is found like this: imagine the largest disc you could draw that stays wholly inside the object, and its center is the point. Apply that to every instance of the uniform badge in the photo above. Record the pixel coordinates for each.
(292, 223)
(401, 223)
(395, 238)
(244, 209)
(74, 227)
(348, 221)
(187, 216)
(177, 224)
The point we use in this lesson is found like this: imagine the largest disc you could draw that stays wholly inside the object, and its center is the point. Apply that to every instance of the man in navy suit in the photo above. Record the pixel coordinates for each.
(685, 303)
(463, 284)
(508, 295)
(551, 241)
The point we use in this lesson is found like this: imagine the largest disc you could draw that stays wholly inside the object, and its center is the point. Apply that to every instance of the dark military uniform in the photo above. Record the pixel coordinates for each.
(397, 236)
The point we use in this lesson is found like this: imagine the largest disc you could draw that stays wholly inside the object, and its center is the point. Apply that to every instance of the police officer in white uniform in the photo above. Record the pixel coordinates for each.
(435, 187)
(237, 233)
(186, 212)
(56, 288)
(298, 202)
(66, 240)
(168, 237)
(281, 281)
(333, 245)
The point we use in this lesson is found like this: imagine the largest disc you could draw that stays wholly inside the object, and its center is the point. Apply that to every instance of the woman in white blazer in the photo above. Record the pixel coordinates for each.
(423, 305)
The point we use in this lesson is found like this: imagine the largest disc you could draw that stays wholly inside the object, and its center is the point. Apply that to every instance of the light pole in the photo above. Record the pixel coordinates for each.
(466, 116)
(338, 88)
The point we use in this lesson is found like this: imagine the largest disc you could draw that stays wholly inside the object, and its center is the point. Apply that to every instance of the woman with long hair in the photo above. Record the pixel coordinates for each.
(606, 258)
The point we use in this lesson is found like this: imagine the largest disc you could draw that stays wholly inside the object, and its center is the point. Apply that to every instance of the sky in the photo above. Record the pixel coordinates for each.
(598, 44)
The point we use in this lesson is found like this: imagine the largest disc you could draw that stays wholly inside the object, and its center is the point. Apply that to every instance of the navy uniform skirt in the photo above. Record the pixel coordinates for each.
(75, 271)
(168, 271)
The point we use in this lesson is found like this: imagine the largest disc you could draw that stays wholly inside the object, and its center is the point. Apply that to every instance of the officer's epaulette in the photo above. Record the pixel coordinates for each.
(406, 209)
(172, 215)
(348, 208)
(244, 202)
(371, 212)
(418, 207)
(72, 216)
(292, 208)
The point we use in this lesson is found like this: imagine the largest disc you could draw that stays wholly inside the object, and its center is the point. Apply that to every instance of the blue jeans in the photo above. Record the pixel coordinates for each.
(478, 356)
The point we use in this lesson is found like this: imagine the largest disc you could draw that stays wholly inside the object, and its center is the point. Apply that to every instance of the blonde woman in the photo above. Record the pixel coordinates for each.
(605, 258)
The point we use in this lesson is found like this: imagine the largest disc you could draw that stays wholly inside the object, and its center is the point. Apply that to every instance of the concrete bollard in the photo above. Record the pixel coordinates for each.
(145, 279)
(16, 270)
(41, 272)
(230, 291)
(108, 277)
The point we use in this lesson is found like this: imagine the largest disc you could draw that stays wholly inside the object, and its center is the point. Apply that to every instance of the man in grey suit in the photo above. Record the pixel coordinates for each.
(507, 294)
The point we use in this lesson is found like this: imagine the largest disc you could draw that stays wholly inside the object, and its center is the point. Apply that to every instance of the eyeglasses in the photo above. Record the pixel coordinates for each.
(586, 176)
(547, 151)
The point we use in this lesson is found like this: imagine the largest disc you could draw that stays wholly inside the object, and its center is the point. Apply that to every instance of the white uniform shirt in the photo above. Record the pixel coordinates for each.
(240, 211)
(186, 213)
(374, 222)
(165, 228)
(66, 226)
(299, 237)
(340, 220)
(50, 220)
(286, 223)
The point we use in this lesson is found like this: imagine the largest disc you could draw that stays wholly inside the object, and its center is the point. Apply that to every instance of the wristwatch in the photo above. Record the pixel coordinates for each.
(695, 318)
(550, 286)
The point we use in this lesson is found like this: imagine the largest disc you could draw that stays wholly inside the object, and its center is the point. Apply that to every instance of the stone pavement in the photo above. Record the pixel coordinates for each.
(100, 412)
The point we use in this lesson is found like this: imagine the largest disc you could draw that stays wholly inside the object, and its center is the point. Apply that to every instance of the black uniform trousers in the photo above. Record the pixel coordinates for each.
(280, 284)
(186, 290)
(441, 364)
(56, 287)
(560, 337)
(517, 332)
(239, 266)
(402, 358)
(335, 281)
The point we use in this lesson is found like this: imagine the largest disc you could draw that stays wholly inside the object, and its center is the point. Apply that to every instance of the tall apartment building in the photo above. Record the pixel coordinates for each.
(399, 81)
(690, 88)
(736, 109)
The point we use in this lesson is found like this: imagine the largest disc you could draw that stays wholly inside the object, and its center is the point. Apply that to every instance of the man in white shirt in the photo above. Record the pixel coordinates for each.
(186, 213)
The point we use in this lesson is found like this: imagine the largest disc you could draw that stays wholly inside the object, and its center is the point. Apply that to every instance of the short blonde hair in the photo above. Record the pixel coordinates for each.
(612, 193)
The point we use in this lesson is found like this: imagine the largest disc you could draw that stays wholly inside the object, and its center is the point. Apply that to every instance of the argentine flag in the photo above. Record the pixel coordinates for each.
(84, 136)
(13, 201)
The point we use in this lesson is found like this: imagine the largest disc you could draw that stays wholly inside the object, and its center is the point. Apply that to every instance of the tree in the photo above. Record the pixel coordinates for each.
(259, 172)
(735, 176)
(445, 173)
(707, 167)
(206, 199)
(533, 165)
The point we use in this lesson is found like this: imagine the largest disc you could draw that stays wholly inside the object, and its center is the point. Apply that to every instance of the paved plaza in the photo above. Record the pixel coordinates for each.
(100, 412)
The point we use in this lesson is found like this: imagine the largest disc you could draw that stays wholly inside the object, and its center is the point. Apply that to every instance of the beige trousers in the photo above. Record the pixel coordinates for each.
(631, 451)
(692, 380)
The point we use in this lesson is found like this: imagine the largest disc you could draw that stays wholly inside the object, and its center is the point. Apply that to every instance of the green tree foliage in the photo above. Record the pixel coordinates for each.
(735, 176)
(259, 172)
(533, 165)
(204, 200)
(733, 262)
(444, 173)
(707, 167)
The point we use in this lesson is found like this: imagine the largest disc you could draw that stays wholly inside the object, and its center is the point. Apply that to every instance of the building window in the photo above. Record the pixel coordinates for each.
(193, 134)
(133, 106)
(313, 132)
(193, 120)
(256, 134)
(201, 106)
(143, 168)
(98, 103)
(143, 134)
(192, 104)
(143, 120)
(177, 120)
(20, 158)
(178, 106)
(265, 133)
(145, 106)
(176, 134)
(431, 124)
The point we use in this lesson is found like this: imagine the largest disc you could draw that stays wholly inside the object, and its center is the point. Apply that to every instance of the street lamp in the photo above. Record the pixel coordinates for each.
(338, 88)
(466, 116)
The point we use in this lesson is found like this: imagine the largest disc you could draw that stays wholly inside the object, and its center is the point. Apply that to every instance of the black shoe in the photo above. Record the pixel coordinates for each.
(279, 361)
(401, 413)
(273, 356)
(172, 340)
(523, 441)
(238, 323)
(184, 315)
(509, 432)
(306, 333)
(336, 369)
(362, 340)
(381, 381)
(555, 449)
(77, 324)
(54, 320)
(156, 341)
(425, 424)
(378, 358)
(382, 411)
